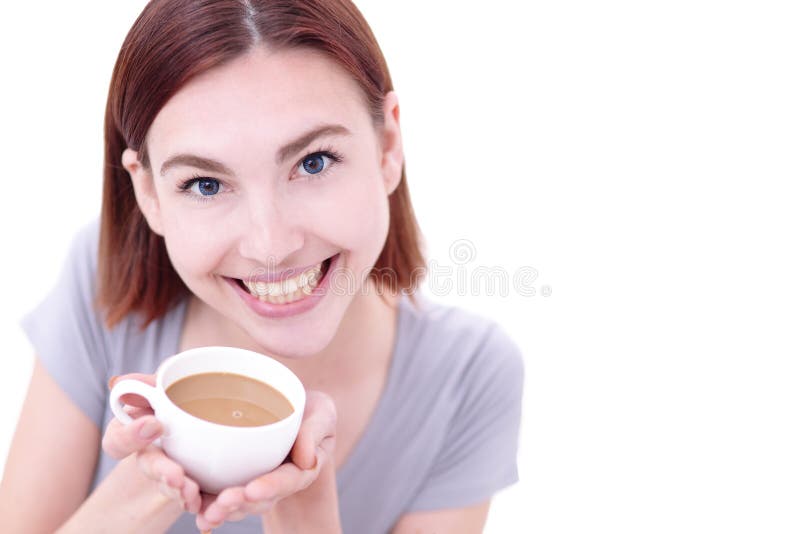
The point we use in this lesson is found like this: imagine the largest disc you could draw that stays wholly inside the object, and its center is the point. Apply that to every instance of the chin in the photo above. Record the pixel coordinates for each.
(287, 344)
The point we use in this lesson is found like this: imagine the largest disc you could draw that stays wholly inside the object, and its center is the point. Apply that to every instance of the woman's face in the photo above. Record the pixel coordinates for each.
(276, 200)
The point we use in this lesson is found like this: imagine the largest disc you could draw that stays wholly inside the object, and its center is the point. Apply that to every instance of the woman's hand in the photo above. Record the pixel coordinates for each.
(121, 440)
(311, 454)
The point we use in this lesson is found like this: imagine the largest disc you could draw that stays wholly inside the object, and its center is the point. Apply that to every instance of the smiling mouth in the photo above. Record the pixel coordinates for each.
(291, 289)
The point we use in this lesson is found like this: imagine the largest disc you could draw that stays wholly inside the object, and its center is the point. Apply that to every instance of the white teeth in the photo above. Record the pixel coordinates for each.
(273, 289)
(287, 290)
(289, 286)
(307, 277)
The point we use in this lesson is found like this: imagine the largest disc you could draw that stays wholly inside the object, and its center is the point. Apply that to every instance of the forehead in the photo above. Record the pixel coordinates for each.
(262, 96)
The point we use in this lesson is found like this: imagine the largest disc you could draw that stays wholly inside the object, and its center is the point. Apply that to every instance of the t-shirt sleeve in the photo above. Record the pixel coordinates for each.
(479, 455)
(67, 333)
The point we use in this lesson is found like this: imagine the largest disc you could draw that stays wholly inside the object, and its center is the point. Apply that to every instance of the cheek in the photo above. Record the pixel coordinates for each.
(361, 219)
(194, 244)
(190, 257)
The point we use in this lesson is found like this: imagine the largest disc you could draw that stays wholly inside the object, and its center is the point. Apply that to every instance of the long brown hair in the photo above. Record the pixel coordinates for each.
(173, 41)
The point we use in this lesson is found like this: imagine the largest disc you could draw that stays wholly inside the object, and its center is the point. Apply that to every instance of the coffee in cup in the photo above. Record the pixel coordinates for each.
(229, 399)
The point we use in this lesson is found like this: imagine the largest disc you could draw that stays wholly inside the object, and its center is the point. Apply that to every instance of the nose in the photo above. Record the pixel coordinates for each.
(269, 235)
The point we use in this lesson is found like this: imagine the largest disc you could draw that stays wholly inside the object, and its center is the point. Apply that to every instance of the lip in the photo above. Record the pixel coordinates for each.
(279, 311)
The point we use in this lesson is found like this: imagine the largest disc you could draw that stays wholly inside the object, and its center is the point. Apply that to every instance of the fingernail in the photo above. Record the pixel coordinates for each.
(112, 380)
(149, 429)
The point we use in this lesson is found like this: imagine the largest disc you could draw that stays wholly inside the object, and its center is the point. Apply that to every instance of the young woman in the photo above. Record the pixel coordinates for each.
(255, 196)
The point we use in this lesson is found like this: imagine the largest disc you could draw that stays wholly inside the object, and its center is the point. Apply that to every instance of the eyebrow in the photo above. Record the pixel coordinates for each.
(286, 151)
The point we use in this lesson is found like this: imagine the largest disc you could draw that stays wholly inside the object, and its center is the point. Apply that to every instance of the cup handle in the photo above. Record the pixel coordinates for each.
(136, 387)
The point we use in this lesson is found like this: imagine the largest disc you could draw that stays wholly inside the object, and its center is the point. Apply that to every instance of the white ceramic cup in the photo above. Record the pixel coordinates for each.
(218, 456)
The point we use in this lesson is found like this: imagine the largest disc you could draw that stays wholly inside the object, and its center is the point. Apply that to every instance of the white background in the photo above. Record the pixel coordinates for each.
(641, 156)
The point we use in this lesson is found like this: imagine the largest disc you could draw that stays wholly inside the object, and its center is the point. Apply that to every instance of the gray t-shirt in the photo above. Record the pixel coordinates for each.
(443, 435)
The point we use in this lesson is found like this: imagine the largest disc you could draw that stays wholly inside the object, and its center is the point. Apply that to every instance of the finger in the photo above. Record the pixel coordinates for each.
(230, 500)
(252, 508)
(249, 508)
(203, 524)
(121, 440)
(136, 412)
(206, 500)
(158, 466)
(239, 515)
(191, 495)
(317, 428)
(169, 491)
(286, 480)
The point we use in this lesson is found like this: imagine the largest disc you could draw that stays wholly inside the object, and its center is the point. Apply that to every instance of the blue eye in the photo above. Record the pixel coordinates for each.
(314, 164)
(206, 186)
(200, 188)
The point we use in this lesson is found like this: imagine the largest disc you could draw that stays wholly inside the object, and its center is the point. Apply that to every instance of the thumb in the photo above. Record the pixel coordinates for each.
(317, 431)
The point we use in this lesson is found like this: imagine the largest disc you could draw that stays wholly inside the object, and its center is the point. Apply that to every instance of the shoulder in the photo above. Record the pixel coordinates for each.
(70, 301)
(85, 241)
(448, 327)
(79, 277)
(80, 266)
(83, 259)
(460, 347)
